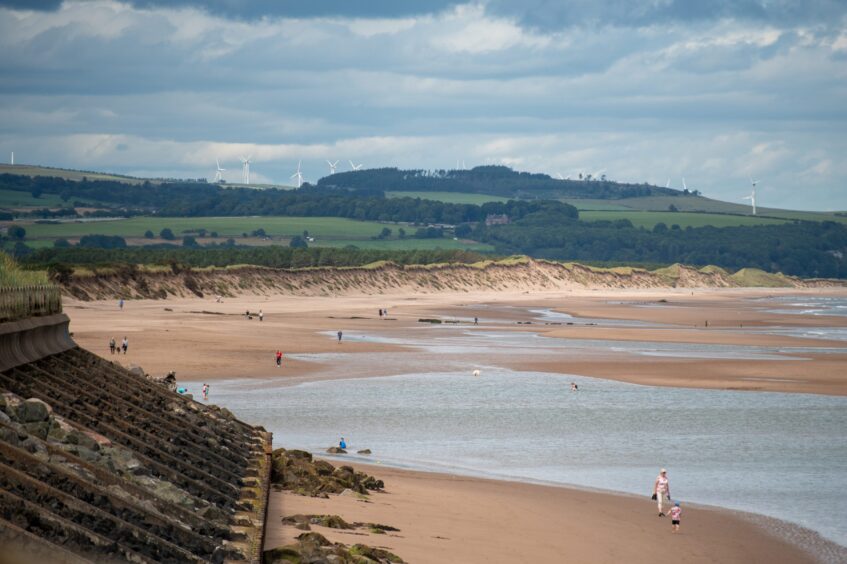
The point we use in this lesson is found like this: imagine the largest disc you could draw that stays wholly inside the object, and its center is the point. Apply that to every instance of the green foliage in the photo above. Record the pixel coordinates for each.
(167, 234)
(16, 232)
(102, 242)
(11, 275)
(272, 256)
(148, 234)
(490, 180)
(298, 242)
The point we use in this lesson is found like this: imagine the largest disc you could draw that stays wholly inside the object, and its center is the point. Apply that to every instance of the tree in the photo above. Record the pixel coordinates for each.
(214, 234)
(148, 234)
(463, 230)
(260, 232)
(384, 234)
(167, 234)
(17, 232)
(660, 228)
(97, 241)
(672, 208)
(298, 242)
(189, 241)
(401, 233)
(61, 244)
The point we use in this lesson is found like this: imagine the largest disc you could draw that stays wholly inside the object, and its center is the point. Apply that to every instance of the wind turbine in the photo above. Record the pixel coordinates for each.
(752, 196)
(332, 167)
(245, 169)
(298, 175)
(218, 175)
(684, 187)
(355, 166)
(12, 160)
(668, 183)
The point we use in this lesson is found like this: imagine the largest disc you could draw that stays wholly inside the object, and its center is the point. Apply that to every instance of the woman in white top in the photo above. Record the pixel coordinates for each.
(661, 489)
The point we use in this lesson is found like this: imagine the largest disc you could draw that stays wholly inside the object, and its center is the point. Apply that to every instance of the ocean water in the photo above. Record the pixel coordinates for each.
(807, 305)
(781, 455)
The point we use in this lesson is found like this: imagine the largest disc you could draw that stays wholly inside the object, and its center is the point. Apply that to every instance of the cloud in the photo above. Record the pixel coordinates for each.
(154, 89)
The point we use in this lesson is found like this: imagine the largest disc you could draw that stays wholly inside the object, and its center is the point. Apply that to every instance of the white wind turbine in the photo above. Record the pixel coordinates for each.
(752, 196)
(298, 175)
(245, 169)
(218, 175)
(12, 160)
(684, 187)
(332, 167)
(355, 166)
(668, 183)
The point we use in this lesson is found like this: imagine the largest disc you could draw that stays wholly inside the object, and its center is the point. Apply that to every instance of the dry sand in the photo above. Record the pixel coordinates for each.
(457, 519)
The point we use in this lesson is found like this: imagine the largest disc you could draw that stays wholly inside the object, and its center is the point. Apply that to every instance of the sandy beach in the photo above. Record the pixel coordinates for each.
(446, 518)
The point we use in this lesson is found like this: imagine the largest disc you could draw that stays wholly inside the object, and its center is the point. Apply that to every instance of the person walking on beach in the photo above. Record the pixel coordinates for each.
(339, 337)
(125, 345)
(278, 359)
(206, 392)
(121, 303)
(261, 315)
(476, 320)
(675, 512)
(661, 490)
(380, 313)
(112, 345)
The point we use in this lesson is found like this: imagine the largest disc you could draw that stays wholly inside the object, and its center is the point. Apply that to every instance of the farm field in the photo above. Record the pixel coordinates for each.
(449, 197)
(328, 231)
(34, 170)
(16, 199)
(649, 219)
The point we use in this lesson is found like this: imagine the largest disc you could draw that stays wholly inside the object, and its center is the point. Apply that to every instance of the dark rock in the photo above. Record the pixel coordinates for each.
(336, 450)
(376, 554)
(364, 451)
(33, 410)
(39, 429)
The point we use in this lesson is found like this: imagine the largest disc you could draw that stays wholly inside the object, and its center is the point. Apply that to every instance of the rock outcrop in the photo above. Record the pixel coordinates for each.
(298, 472)
(314, 547)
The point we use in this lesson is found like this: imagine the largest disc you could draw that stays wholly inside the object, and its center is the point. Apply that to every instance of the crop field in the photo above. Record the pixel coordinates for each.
(449, 197)
(648, 219)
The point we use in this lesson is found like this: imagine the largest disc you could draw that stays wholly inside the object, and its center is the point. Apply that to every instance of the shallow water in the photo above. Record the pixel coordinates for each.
(782, 455)
(807, 305)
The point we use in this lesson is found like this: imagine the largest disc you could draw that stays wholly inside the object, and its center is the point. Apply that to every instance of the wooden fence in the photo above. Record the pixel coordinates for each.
(29, 301)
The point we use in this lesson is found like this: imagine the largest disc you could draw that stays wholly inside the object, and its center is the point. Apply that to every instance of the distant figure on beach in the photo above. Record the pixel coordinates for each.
(661, 490)
(574, 387)
(339, 337)
(261, 315)
(125, 345)
(206, 392)
(476, 320)
(385, 312)
(707, 323)
(476, 373)
(278, 359)
(380, 313)
(112, 345)
(218, 299)
(121, 303)
(342, 443)
(676, 511)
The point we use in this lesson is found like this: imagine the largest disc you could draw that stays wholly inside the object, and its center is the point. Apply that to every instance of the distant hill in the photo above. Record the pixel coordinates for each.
(493, 180)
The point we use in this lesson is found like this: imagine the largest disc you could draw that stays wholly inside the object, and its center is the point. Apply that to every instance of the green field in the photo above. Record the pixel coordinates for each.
(34, 170)
(328, 231)
(449, 197)
(15, 199)
(648, 219)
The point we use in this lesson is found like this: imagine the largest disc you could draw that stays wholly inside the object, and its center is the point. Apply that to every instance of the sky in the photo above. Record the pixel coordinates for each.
(715, 91)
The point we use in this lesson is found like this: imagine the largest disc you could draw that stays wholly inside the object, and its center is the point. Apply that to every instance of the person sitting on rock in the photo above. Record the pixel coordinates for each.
(342, 443)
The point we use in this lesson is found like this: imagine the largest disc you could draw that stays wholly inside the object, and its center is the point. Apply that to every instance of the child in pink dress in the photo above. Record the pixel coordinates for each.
(676, 511)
